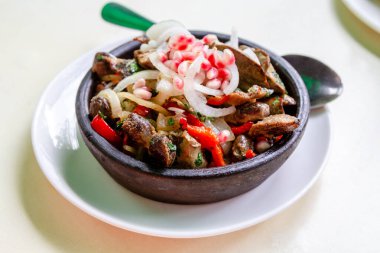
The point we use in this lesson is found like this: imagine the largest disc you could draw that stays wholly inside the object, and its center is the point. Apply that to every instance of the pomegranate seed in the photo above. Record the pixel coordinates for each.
(139, 83)
(209, 39)
(188, 56)
(163, 57)
(212, 73)
(224, 85)
(206, 65)
(183, 67)
(223, 136)
(228, 57)
(178, 82)
(177, 56)
(214, 84)
(142, 93)
(224, 74)
(171, 64)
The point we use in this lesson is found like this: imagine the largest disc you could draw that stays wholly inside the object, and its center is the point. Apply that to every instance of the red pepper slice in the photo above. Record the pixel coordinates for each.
(208, 140)
(218, 100)
(250, 154)
(192, 120)
(141, 110)
(242, 128)
(278, 138)
(104, 130)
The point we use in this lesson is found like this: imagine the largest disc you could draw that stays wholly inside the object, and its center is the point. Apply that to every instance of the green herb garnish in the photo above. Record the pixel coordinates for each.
(99, 57)
(170, 122)
(199, 160)
(102, 115)
(172, 147)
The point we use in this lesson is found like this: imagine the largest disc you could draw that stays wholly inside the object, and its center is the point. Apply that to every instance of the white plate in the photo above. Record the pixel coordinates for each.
(82, 181)
(367, 11)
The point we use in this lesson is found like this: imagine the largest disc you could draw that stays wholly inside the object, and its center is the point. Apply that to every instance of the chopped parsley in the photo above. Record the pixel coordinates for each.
(170, 122)
(99, 57)
(102, 115)
(119, 124)
(198, 162)
(171, 146)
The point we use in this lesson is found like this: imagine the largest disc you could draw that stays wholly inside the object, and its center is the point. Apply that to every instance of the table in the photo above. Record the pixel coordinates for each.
(339, 214)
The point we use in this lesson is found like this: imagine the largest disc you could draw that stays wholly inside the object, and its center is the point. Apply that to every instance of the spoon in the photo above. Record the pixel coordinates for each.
(323, 84)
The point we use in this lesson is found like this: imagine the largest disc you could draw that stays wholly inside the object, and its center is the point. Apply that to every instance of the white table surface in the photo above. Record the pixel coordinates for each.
(341, 213)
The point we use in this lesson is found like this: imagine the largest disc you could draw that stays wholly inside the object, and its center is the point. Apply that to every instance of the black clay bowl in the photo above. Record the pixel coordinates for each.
(193, 186)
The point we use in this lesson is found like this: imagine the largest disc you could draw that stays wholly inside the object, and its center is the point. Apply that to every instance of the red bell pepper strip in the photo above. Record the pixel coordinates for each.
(141, 110)
(103, 129)
(192, 120)
(242, 128)
(208, 140)
(250, 154)
(218, 100)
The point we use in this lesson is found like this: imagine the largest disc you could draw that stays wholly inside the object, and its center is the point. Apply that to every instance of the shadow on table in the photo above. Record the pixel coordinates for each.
(366, 36)
(71, 230)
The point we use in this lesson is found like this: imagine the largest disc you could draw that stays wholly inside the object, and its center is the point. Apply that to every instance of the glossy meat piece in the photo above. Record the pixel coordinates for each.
(100, 104)
(274, 125)
(138, 129)
(250, 72)
(275, 105)
(240, 147)
(253, 93)
(190, 153)
(288, 100)
(273, 78)
(162, 150)
(143, 60)
(106, 64)
(248, 112)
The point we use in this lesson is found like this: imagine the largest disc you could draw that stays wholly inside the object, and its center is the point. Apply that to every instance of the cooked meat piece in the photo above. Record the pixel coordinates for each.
(275, 104)
(190, 153)
(162, 150)
(274, 125)
(255, 92)
(250, 72)
(139, 129)
(273, 78)
(106, 65)
(100, 104)
(240, 147)
(143, 60)
(259, 92)
(288, 100)
(248, 112)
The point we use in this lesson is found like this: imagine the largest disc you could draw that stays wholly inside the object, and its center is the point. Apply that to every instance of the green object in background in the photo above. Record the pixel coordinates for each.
(120, 15)
(312, 85)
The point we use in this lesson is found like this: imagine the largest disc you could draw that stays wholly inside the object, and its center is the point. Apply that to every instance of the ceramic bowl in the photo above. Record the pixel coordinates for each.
(193, 186)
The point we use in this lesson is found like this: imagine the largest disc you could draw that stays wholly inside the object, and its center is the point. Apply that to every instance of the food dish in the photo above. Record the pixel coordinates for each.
(193, 185)
(185, 102)
(76, 175)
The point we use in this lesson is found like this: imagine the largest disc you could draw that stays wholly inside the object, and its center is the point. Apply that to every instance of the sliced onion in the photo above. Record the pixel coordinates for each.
(171, 32)
(234, 82)
(207, 90)
(154, 58)
(153, 106)
(129, 149)
(221, 125)
(145, 74)
(196, 99)
(248, 52)
(165, 90)
(234, 40)
(157, 29)
(114, 101)
(176, 110)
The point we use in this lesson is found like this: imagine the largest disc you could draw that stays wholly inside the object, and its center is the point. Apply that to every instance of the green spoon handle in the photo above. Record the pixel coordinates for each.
(121, 15)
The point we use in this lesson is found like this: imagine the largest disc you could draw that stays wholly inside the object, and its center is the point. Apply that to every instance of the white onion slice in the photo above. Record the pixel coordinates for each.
(196, 99)
(234, 40)
(129, 149)
(207, 90)
(171, 32)
(176, 110)
(157, 29)
(153, 106)
(234, 82)
(221, 125)
(114, 101)
(145, 74)
(153, 57)
(248, 52)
